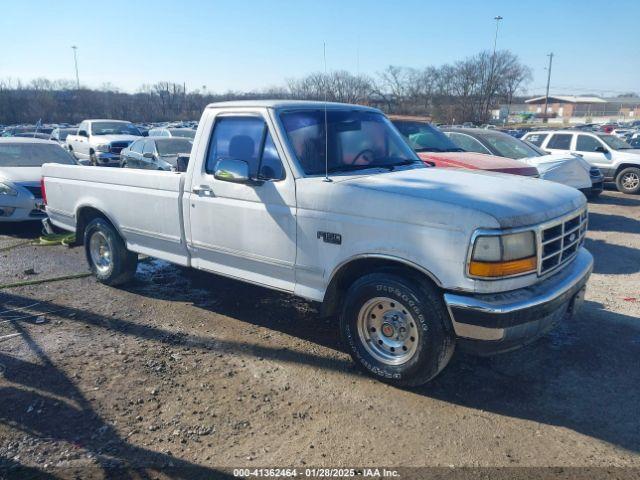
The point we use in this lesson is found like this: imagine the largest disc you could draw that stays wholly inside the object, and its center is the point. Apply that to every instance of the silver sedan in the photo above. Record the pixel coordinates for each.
(21, 160)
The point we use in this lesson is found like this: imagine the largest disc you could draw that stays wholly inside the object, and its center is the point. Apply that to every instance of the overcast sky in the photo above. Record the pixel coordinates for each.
(252, 44)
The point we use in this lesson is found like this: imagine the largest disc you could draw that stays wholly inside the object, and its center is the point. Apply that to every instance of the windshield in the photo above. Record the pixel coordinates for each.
(114, 128)
(614, 142)
(424, 138)
(508, 146)
(173, 146)
(356, 140)
(183, 133)
(32, 155)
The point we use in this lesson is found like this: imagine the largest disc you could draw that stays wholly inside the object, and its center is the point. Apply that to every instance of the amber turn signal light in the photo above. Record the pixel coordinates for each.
(503, 269)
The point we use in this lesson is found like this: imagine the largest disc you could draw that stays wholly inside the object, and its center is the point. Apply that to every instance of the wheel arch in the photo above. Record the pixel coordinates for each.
(353, 268)
(622, 166)
(84, 215)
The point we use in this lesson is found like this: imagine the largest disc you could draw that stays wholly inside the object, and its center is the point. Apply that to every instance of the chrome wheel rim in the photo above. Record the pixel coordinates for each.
(630, 180)
(388, 331)
(100, 252)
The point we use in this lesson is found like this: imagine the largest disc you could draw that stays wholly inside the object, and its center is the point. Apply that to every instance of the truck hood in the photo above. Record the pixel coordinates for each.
(20, 174)
(114, 138)
(513, 201)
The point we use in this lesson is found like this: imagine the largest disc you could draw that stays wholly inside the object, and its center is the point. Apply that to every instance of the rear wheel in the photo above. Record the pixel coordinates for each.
(107, 255)
(397, 329)
(628, 180)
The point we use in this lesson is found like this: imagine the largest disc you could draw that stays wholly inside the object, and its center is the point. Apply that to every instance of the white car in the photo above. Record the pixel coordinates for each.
(565, 169)
(414, 260)
(616, 159)
(21, 160)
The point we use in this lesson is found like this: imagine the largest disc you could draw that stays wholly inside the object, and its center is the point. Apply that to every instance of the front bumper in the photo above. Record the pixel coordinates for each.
(22, 207)
(493, 323)
(108, 159)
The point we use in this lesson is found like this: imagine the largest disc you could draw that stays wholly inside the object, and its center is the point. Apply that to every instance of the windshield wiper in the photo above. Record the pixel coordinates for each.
(350, 168)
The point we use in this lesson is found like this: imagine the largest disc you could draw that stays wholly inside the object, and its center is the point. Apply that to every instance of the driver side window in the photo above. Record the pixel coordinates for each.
(247, 139)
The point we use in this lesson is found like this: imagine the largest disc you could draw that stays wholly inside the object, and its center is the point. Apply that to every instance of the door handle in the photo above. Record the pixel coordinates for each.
(203, 190)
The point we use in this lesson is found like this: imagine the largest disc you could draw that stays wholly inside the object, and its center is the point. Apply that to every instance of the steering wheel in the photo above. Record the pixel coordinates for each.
(361, 153)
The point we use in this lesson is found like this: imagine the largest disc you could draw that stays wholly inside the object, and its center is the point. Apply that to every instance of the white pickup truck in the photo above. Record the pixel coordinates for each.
(99, 142)
(414, 260)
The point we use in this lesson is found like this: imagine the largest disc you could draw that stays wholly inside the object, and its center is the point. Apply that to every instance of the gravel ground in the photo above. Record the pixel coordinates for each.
(187, 372)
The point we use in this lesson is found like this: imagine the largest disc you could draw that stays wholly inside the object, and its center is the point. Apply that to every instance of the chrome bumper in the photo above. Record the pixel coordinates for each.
(492, 323)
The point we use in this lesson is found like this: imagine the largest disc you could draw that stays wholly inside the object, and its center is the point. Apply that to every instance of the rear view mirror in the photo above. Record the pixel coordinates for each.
(232, 170)
(148, 155)
(82, 133)
(601, 150)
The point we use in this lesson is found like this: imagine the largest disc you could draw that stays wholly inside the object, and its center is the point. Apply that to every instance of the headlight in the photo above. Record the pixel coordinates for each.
(6, 189)
(503, 255)
(104, 147)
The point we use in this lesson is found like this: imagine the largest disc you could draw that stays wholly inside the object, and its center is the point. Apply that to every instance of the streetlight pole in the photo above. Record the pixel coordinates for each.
(546, 97)
(497, 18)
(75, 59)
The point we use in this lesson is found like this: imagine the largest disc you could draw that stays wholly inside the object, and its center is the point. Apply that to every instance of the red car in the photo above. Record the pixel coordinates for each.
(435, 148)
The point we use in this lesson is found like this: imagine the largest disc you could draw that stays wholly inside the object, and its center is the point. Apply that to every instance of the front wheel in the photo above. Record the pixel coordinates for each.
(107, 254)
(628, 180)
(93, 159)
(397, 329)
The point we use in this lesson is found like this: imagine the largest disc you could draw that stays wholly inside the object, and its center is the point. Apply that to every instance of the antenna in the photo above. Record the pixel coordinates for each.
(326, 122)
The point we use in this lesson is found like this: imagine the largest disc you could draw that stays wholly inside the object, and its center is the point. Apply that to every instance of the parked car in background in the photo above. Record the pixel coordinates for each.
(415, 261)
(618, 161)
(564, 168)
(634, 142)
(173, 132)
(434, 147)
(21, 160)
(59, 135)
(99, 142)
(41, 136)
(155, 153)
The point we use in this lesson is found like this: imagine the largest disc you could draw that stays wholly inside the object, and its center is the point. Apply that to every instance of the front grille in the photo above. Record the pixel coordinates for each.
(560, 241)
(35, 191)
(116, 147)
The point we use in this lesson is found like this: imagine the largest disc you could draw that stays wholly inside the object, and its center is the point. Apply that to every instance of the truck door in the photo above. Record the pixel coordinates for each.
(594, 151)
(245, 230)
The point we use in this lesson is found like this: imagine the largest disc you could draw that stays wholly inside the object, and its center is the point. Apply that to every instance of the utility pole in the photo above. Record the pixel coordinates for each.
(546, 98)
(75, 59)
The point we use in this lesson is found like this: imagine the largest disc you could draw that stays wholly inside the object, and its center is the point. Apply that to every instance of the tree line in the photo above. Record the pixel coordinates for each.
(463, 91)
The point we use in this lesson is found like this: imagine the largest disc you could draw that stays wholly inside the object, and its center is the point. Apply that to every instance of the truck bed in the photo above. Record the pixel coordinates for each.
(145, 206)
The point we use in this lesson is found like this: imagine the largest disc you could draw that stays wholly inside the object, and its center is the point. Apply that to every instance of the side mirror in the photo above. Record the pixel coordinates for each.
(148, 155)
(83, 133)
(601, 150)
(232, 170)
(182, 162)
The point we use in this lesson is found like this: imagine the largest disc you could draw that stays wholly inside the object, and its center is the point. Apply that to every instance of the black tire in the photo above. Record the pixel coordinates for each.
(123, 263)
(435, 341)
(622, 180)
(594, 194)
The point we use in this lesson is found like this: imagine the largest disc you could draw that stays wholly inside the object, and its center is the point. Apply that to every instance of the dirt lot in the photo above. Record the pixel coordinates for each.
(187, 370)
